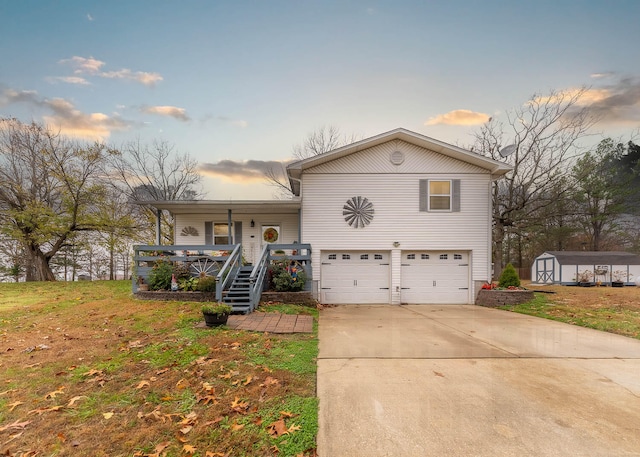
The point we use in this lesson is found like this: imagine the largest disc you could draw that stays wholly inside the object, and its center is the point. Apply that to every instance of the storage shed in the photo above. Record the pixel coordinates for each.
(571, 267)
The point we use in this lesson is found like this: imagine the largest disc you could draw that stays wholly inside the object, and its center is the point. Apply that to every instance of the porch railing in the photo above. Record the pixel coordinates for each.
(227, 273)
(223, 261)
(201, 259)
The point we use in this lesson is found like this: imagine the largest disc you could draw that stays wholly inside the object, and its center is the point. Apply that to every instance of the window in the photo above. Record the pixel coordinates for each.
(377, 256)
(333, 256)
(424, 256)
(444, 256)
(346, 257)
(457, 256)
(364, 256)
(220, 234)
(439, 195)
(411, 256)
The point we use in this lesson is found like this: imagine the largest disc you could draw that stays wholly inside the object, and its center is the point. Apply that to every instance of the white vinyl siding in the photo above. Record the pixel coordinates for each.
(377, 160)
(397, 218)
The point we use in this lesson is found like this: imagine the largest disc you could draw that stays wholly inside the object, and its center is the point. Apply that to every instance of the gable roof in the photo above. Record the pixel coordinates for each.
(496, 168)
(595, 257)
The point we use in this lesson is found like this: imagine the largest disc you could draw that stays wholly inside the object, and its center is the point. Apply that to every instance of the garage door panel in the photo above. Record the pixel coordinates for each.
(435, 277)
(355, 277)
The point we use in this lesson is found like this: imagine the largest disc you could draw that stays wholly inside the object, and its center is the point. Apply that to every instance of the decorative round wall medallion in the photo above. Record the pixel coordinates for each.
(397, 157)
(358, 212)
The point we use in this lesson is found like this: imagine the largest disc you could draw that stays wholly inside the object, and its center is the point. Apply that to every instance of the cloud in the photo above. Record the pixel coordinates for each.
(69, 79)
(64, 116)
(242, 171)
(148, 79)
(618, 103)
(459, 117)
(606, 74)
(90, 17)
(93, 67)
(227, 120)
(83, 65)
(613, 104)
(171, 111)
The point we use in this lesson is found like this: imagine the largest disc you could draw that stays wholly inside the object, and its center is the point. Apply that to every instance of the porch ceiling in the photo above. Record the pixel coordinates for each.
(222, 206)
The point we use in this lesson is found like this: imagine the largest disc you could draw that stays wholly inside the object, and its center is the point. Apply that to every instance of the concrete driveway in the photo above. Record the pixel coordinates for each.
(449, 380)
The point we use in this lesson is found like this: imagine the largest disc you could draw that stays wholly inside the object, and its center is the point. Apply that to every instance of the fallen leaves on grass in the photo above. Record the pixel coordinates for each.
(17, 425)
(279, 427)
(14, 405)
(55, 393)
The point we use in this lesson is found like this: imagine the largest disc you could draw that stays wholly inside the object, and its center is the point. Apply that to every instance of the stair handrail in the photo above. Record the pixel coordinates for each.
(224, 276)
(256, 280)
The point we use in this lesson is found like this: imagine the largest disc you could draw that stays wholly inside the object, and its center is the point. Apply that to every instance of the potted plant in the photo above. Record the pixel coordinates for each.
(216, 314)
(618, 278)
(584, 278)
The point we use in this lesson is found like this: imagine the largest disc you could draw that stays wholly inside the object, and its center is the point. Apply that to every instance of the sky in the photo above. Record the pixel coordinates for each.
(236, 84)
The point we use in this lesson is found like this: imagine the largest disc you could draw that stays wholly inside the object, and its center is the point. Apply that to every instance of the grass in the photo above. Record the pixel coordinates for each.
(86, 370)
(614, 310)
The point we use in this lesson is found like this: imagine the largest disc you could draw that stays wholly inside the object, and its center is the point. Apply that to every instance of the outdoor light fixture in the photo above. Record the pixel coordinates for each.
(396, 244)
(253, 224)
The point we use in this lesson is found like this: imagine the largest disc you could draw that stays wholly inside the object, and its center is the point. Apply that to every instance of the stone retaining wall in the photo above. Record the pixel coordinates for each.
(294, 298)
(167, 295)
(494, 298)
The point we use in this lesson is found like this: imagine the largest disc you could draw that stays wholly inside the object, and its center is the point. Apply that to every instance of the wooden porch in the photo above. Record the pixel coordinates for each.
(238, 283)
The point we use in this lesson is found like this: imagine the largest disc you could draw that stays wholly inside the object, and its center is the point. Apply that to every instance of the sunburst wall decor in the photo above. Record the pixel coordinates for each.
(358, 212)
(189, 231)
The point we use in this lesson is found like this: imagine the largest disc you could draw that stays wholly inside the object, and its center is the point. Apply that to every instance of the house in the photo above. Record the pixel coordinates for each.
(569, 267)
(396, 218)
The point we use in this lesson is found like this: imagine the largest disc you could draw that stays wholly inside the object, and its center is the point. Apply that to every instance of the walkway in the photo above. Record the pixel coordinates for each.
(471, 381)
(272, 322)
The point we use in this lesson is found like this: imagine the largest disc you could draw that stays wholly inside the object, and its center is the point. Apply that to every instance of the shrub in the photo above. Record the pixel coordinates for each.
(509, 277)
(160, 276)
(181, 270)
(188, 284)
(287, 276)
(207, 284)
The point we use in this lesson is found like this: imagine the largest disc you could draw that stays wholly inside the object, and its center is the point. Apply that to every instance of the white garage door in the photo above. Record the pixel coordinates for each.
(355, 277)
(435, 277)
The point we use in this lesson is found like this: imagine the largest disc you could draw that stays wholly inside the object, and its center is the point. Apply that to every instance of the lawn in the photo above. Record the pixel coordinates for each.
(611, 309)
(87, 370)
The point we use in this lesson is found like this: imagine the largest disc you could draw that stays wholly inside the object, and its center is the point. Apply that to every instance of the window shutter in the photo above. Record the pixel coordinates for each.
(208, 233)
(455, 195)
(424, 197)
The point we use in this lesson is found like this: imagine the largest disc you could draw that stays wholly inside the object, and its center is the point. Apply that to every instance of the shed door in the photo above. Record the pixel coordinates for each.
(435, 277)
(355, 277)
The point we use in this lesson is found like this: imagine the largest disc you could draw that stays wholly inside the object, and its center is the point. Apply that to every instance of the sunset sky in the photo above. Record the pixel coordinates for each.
(237, 84)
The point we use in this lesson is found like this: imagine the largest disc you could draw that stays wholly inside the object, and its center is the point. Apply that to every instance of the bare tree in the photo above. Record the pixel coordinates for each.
(545, 133)
(321, 140)
(49, 190)
(156, 172)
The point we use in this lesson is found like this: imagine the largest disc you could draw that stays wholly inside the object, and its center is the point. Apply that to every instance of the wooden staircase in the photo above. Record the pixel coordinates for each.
(238, 296)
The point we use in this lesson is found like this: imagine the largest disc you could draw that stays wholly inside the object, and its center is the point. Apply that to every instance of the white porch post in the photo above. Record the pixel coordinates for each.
(158, 225)
(229, 226)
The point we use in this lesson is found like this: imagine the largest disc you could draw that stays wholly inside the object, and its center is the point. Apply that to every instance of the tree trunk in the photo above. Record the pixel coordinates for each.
(41, 270)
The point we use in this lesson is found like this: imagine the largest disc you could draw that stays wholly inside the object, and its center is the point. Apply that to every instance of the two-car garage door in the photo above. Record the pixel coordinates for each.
(364, 277)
